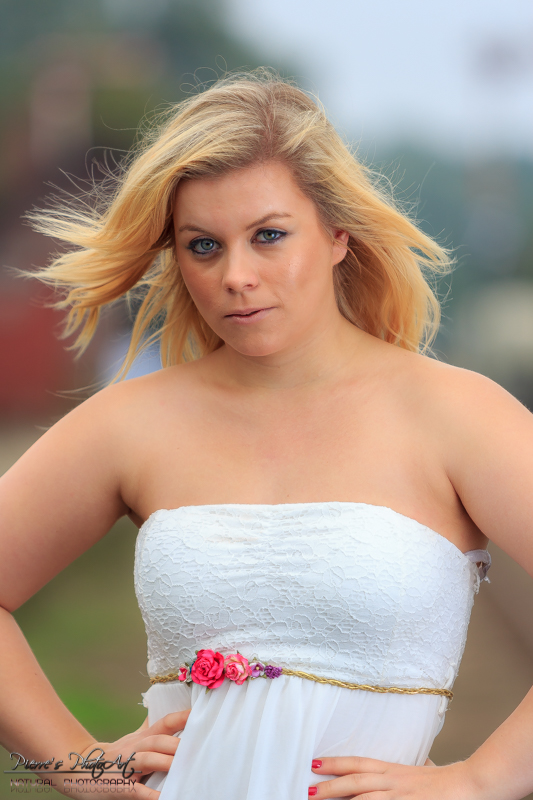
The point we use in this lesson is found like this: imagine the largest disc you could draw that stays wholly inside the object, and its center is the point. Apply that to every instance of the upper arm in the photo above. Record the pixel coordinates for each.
(488, 445)
(60, 497)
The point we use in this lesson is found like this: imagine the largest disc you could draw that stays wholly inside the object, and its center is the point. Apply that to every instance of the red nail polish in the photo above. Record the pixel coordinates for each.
(316, 763)
(312, 791)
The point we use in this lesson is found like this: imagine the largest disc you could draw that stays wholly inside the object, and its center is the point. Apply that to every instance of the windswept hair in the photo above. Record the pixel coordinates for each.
(125, 243)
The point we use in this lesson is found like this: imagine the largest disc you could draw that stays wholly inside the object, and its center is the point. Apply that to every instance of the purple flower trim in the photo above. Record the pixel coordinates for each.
(272, 672)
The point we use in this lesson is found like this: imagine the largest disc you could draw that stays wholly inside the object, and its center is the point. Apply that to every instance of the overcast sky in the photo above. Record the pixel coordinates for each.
(455, 75)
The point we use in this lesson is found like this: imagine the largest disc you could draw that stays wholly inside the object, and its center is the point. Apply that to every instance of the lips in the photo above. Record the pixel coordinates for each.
(245, 312)
(249, 316)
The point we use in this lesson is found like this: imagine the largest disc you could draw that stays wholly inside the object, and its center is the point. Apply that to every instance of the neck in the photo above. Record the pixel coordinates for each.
(311, 362)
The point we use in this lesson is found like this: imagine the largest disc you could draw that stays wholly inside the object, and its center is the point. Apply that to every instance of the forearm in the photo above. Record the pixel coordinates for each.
(33, 720)
(502, 767)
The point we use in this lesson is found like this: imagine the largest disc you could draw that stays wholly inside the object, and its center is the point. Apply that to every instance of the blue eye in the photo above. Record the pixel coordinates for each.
(270, 235)
(203, 247)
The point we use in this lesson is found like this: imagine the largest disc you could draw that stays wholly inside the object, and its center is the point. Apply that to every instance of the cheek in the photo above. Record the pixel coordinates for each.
(295, 270)
(202, 287)
(307, 271)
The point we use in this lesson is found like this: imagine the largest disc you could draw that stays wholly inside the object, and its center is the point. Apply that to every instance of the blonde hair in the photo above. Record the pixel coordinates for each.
(124, 242)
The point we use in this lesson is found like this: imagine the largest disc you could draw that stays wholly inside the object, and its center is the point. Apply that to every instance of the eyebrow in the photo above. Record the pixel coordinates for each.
(266, 218)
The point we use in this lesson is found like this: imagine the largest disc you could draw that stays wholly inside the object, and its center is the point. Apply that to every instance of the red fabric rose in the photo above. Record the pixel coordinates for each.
(208, 669)
(237, 668)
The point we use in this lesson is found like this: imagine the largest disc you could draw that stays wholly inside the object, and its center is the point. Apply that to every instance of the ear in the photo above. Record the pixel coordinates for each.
(340, 245)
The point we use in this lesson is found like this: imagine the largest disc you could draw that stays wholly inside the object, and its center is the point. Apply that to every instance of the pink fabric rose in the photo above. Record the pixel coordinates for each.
(183, 674)
(208, 669)
(237, 668)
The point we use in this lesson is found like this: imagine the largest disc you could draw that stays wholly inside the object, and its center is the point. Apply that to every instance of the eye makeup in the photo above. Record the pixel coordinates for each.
(205, 245)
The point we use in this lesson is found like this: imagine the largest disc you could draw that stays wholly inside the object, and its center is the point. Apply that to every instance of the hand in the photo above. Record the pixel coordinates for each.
(154, 747)
(370, 779)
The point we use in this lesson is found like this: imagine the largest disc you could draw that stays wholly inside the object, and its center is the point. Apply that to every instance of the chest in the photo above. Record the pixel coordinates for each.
(339, 439)
(352, 446)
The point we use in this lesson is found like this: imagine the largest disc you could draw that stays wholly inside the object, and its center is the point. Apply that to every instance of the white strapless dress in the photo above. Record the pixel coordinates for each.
(342, 590)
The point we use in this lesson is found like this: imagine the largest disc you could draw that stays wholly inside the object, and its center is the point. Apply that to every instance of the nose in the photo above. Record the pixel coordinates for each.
(239, 273)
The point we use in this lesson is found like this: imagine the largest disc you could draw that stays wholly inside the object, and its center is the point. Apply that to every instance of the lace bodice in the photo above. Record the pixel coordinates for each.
(345, 590)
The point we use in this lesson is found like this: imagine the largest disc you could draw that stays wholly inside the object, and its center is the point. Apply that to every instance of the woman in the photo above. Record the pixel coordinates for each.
(315, 494)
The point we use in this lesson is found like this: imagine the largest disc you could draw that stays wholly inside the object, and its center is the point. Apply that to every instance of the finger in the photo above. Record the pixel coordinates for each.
(344, 765)
(145, 763)
(159, 743)
(429, 763)
(371, 796)
(155, 753)
(171, 723)
(142, 792)
(350, 785)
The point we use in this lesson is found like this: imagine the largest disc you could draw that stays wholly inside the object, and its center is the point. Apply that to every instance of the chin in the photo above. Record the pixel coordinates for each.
(258, 348)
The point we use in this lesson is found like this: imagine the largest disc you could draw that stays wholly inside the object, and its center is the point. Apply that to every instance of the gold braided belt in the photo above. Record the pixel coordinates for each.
(211, 668)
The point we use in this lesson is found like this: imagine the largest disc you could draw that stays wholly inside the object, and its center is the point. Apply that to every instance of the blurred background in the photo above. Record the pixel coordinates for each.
(438, 96)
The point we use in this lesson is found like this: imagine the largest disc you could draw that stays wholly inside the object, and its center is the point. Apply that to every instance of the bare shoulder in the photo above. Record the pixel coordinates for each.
(142, 406)
(457, 396)
(130, 402)
(442, 388)
(484, 437)
(67, 490)
(460, 406)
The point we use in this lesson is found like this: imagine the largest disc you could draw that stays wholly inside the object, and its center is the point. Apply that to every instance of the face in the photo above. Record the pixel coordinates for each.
(256, 259)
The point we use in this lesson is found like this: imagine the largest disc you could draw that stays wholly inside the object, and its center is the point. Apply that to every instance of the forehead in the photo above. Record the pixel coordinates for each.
(245, 194)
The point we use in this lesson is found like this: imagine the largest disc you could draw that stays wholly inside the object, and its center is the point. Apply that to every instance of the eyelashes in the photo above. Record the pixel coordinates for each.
(271, 235)
(205, 245)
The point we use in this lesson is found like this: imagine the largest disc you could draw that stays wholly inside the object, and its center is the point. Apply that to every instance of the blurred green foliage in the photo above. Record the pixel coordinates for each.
(86, 631)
